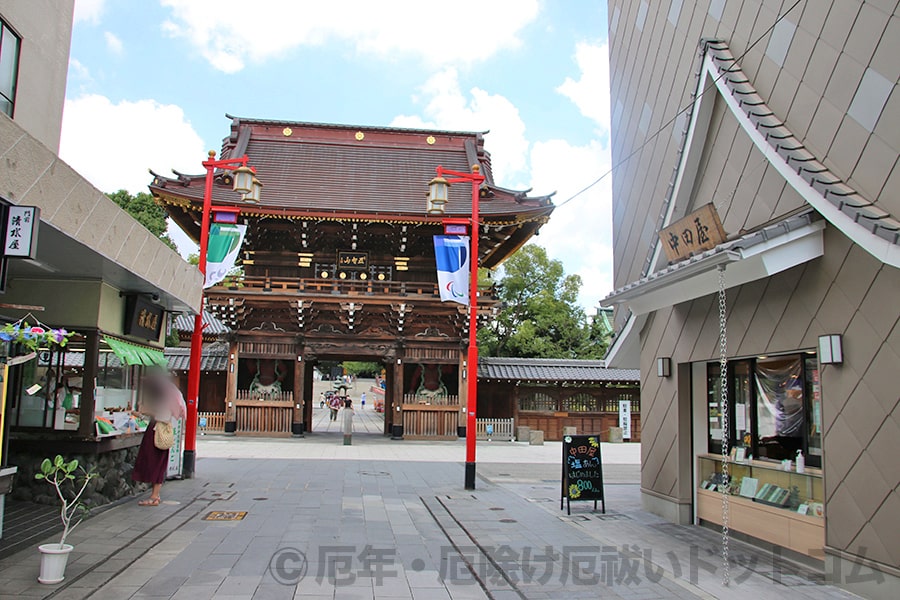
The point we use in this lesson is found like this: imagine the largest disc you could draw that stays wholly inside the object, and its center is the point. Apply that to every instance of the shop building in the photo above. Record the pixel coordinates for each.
(780, 187)
(93, 271)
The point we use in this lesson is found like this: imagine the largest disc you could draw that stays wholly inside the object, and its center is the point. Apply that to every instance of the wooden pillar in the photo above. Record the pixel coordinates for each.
(297, 420)
(231, 384)
(396, 396)
(89, 381)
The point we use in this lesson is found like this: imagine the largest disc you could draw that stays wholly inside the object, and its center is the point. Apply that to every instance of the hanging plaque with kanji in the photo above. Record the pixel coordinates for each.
(699, 231)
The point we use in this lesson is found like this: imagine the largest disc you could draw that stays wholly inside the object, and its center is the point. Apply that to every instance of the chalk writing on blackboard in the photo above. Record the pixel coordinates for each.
(582, 470)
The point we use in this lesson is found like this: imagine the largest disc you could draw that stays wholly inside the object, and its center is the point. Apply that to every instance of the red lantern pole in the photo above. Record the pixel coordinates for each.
(476, 178)
(193, 395)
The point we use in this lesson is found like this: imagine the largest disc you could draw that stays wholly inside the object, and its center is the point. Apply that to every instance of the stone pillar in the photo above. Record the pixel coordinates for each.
(231, 382)
(297, 420)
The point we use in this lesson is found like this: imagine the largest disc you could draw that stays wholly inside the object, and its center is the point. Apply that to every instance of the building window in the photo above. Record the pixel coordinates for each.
(537, 401)
(9, 68)
(581, 402)
(774, 407)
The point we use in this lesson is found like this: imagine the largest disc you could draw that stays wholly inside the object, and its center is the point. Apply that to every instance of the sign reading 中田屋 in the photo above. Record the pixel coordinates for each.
(582, 470)
(701, 230)
(21, 231)
(625, 418)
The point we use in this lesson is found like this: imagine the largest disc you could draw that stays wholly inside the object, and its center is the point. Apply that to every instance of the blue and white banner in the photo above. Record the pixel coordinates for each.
(452, 255)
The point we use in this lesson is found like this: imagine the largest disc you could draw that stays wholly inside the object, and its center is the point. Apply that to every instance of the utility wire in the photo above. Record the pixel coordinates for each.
(665, 125)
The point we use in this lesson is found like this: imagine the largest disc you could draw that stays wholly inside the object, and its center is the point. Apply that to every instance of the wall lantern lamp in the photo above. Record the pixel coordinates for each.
(438, 189)
(663, 366)
(831, 351)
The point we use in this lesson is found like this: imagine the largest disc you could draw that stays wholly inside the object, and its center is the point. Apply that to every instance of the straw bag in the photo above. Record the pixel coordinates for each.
(163, 435)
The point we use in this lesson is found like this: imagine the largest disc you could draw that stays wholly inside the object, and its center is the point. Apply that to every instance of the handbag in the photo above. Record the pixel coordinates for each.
(163, 435)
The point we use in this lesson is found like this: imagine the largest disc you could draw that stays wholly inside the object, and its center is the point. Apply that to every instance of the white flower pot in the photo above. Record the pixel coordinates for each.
(53, 562)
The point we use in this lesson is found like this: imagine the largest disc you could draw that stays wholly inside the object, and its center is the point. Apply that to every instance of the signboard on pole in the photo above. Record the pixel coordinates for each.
(625, 418)
(21, 231)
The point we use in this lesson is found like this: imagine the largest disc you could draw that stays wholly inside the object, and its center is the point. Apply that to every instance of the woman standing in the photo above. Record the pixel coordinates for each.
(347, 424)
(162, 401)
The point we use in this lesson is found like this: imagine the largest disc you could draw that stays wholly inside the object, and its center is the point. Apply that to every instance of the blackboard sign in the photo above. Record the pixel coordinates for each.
(582, 471)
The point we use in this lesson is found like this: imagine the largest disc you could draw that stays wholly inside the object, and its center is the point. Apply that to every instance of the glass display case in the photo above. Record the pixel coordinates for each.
(766, 501)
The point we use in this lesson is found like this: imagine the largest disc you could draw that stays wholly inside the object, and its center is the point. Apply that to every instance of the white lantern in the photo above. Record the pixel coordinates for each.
(243, 179)
(438, 188)
(252, 197)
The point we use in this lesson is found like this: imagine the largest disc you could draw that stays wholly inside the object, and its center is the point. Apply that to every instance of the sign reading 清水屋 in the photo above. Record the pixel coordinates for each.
(21, 231)
(582, 470)
(452, 255)
(701, 230)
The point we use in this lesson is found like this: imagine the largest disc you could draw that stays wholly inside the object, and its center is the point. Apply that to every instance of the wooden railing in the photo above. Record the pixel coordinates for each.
(211, 422)
(350, 287)
(501, 430)
(422, 422)
(433, 401)
(269, 416)
(285, 397)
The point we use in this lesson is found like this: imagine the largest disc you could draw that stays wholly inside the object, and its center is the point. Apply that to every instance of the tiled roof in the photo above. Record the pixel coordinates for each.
(213, 327)
(546, 369)
(864, 213)
(214, 358)
(342, 168)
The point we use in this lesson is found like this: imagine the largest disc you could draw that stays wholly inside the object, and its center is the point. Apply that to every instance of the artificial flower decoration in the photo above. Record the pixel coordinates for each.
(34, 337)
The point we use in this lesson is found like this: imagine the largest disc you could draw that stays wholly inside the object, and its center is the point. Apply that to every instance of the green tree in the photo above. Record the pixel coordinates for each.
(357, 368)
(146, 211)
(539, 314)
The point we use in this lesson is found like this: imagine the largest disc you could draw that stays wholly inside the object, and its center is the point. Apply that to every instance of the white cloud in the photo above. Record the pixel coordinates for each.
(591, 92)
(580, 232)
(113, 43)
(78, 70)
(229, 33)
(447, 107)
(113, 145)
(88, 11)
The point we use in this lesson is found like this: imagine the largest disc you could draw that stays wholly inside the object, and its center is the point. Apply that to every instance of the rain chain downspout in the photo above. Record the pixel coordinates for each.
(723, 410)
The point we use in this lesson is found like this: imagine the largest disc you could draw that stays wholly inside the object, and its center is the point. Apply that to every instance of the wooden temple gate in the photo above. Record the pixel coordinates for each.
(339, 264)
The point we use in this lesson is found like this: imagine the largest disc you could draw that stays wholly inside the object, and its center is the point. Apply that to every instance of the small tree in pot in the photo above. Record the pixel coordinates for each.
(57, 473)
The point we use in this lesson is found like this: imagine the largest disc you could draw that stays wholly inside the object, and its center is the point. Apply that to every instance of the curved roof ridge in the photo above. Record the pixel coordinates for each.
(860, 219)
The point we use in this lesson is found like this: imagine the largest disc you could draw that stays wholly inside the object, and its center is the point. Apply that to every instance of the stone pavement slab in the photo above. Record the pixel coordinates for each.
(331, 527)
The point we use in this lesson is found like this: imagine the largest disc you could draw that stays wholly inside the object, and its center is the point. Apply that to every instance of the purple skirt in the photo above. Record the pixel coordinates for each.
(152, 463)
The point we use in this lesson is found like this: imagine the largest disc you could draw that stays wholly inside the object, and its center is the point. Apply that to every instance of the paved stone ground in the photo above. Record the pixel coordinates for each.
(387, 519)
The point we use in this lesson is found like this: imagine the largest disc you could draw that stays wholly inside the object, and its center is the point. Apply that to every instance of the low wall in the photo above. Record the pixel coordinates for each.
(113, 480)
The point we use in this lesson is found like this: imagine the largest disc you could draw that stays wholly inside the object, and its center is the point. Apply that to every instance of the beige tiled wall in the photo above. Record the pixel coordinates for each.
(812, 86)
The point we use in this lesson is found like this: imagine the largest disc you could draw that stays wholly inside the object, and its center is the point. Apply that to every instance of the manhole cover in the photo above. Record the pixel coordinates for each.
(496, 508)
(508, 521)
(211, 495)
(225, 515)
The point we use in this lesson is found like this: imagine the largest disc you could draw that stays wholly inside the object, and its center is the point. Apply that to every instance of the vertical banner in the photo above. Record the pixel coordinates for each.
(224, 246)
(625, 418)
(176, 455)
(451, 252)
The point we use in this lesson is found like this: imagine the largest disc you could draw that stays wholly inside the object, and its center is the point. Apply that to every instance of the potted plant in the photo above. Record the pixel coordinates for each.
(57, 472)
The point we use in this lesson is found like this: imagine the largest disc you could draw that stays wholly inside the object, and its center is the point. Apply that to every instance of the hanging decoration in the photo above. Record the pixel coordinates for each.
(34, 335)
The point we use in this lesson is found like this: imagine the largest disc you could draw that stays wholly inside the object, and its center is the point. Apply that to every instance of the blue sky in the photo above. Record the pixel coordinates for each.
(150, 82)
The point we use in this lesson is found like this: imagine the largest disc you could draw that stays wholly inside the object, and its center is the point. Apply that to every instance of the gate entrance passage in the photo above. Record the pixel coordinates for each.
(338, 261)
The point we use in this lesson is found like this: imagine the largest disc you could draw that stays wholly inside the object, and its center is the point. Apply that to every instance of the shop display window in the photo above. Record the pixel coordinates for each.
(774, 408)
(46, 392)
